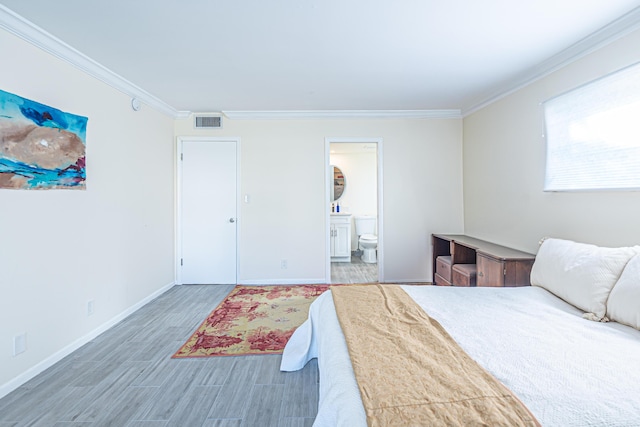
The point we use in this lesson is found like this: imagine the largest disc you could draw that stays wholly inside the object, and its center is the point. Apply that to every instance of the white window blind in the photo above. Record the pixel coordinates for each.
(593, 135)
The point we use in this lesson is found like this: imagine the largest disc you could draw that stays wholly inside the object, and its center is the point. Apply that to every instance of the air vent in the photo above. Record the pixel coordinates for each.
(208, 122)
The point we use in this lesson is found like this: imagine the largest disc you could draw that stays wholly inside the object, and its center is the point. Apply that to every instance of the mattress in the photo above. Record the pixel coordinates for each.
(567, 370)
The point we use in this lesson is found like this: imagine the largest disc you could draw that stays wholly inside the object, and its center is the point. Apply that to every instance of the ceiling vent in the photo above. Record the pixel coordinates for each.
(208, 122)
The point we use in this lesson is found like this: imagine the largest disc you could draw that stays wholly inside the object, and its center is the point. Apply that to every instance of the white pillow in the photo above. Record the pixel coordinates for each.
(623, 305)
(579, 273)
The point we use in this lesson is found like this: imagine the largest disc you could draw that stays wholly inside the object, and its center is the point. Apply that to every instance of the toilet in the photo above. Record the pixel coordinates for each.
(367, 240)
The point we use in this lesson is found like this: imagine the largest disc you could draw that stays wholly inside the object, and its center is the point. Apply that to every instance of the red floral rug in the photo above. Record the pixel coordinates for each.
(252, 320)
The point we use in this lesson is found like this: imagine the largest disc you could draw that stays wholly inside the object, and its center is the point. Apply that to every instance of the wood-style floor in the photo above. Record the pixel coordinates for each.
(126, 378)
(355, 271)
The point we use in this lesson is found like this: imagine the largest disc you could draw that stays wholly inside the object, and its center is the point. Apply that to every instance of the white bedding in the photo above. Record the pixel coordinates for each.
(567, 370)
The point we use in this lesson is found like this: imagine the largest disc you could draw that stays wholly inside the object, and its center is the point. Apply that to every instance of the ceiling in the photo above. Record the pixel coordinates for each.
(301, 55)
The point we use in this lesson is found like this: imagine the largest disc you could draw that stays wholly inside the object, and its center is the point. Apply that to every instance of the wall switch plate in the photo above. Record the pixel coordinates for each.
(283, 264)
(19, 344)
(90, 307)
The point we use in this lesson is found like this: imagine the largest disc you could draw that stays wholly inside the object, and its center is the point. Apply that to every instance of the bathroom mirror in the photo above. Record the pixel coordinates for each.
(339, 183)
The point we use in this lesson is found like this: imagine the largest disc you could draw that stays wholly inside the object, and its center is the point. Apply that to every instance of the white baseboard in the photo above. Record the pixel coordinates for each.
(321, 281)
(16, 382)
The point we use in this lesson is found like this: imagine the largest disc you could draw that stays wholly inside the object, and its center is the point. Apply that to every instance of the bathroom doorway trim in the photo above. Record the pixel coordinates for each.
(379, 180)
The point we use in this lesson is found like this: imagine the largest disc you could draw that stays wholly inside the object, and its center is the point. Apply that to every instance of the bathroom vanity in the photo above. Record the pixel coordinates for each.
(340, 237)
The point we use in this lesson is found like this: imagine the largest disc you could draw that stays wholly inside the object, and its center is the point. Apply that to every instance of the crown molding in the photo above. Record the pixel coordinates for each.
(182, 114)
(38, 37)
(342, 114)
(608, 34)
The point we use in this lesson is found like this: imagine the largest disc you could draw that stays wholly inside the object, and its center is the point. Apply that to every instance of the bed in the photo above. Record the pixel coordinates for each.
(566, 368)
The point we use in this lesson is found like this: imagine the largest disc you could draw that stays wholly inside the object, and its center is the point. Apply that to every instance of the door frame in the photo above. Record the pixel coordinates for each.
(328, 172)
(178, 198)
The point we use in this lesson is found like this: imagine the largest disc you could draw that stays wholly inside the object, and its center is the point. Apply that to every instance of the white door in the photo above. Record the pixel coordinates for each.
(341, 240)
(208, 212)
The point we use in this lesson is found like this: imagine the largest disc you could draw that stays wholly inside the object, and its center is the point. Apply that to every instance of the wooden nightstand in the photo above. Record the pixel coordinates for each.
(496, 265)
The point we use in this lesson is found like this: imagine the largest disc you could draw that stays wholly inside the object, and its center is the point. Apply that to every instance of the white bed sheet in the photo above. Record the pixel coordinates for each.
(567, 370)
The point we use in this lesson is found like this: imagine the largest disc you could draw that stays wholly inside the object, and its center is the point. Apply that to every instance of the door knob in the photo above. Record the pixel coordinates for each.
(232, 220)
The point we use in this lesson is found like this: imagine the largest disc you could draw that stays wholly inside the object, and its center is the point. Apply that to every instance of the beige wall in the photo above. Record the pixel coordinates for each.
(504, 160)
(112, 243)
(283, 171)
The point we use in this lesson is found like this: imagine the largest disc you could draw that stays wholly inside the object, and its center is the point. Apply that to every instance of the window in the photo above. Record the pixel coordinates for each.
(593, 135)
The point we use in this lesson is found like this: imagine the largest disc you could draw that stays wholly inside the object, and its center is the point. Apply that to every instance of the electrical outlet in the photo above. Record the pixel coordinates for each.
(90, 307)
(283, 264)
(19, 344)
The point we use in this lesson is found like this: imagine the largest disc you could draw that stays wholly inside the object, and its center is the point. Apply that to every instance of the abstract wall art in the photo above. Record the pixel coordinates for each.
(40, 147)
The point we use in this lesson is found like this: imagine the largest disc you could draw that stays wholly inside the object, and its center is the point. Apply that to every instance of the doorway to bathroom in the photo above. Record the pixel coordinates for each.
(354, 222)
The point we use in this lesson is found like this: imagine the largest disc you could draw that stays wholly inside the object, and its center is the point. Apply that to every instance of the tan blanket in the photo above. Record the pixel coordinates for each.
(411, 372)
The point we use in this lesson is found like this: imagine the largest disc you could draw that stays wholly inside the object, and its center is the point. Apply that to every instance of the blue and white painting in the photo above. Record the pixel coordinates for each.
(40, 147)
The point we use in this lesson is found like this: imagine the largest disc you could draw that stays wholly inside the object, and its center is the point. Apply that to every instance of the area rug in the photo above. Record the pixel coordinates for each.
(252, 320)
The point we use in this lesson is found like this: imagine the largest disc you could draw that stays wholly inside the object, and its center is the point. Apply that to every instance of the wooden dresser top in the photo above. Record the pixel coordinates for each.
(484, 247)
